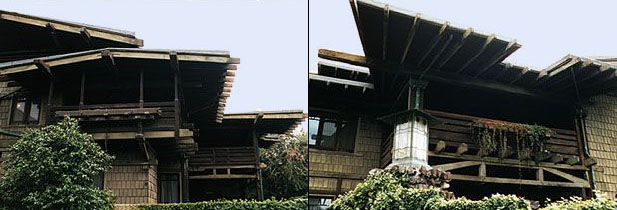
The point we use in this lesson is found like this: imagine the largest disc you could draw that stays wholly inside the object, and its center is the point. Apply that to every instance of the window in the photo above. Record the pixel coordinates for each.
(319, 203)
(26, 110)
(330, 132)
(169, 188)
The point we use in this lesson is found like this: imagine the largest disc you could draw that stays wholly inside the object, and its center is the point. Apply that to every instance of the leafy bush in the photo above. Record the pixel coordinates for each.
(53, 168)
(384, 190)
(293, 204)
(576, 203)
(285, 172)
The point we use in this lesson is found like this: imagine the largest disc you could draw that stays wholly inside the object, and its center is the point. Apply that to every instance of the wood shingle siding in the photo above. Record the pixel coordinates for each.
(602, 141)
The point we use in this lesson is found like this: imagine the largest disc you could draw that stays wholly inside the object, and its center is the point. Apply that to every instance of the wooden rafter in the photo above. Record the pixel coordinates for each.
(54, 34)
(44, 68)
(445, 77)
(508, 49)
(85, 35)
(412, 32)
(487, 42)
(108, 60)
(434, 42)
(430, 65)
(386, 20)
(455, 48)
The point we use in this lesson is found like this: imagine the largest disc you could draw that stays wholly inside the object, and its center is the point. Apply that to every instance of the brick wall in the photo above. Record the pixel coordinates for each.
(327, 169)
(602, 141)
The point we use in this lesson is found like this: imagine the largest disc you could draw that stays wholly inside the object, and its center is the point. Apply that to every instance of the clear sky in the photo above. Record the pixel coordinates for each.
(269, 36)
(547, 29)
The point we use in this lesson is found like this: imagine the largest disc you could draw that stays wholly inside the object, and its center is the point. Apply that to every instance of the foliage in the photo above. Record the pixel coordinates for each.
(394, 189)
(576, 203)
(286, 167)
(292, 204)
(384, 190)
(53, 168)
(493, 136)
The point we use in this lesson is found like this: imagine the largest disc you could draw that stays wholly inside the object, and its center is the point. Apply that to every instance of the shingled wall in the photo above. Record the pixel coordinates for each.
(602, 140)
(327, 168)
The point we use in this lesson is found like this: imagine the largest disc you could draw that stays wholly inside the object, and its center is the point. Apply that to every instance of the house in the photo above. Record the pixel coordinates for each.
(428, 93)
(159, 112)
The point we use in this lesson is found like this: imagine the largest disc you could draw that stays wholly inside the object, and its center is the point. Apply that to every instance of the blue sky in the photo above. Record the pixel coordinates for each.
(269, 36)
(548, 30)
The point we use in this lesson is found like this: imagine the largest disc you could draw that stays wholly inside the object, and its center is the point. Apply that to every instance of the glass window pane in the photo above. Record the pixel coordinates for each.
(18, 110)
(35, 108)
(328, 135)
(312, 132)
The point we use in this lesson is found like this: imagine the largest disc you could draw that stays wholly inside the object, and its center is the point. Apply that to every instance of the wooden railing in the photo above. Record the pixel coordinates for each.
(223, 156)
(455, 130)
(155, 116)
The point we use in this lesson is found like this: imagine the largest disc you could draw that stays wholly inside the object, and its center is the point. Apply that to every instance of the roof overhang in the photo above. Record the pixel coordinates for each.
(210, 96)
(26, 36)
(273, 122)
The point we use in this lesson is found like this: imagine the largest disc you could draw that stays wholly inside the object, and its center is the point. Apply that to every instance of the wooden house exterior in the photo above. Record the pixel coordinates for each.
(449, 79)
(159, 112)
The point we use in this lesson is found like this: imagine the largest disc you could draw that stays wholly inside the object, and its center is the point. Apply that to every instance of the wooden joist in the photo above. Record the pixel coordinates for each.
(461, 149)
(441, 145)
(110, 63)
(44, 68)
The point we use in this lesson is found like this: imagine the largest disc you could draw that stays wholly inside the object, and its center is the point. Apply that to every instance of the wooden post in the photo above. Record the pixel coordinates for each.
(176, 106)
(482, 170)
(185, 179)
(259, 187)
(82, 87)
(141, 88)
(50, 96)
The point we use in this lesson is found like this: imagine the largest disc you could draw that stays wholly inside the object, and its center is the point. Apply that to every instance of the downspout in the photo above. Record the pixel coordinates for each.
(581, 116)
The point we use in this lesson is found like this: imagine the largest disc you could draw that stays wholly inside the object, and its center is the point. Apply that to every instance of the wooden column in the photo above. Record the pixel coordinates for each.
(176, 106)
(258, 182)
(82, 89)
(185, 179)
(259, 185)
(50, 96)
(141, 88)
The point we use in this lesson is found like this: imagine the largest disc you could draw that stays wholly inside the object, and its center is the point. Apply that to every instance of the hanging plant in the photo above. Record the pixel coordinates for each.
(493, 135)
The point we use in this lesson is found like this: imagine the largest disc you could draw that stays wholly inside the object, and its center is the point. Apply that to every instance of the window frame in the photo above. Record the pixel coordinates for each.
(338, 119)
(29, 99)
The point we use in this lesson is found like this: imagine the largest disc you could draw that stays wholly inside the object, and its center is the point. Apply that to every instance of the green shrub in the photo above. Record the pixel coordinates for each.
(285, 172)
(53, 168)
(293, 204)
(384, 190)
(576, 203)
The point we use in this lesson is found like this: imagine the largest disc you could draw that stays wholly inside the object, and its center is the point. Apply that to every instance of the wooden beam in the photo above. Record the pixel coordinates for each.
(386, 19)
(506, 162)
(456, 165)
(85, 35)
(223, 176)
(498, 57)
(499, 180)
(173, 62)
(110, 63)
(434, 42)
(410, 36)
(44, 68)
(54, 34)
(430, 65)
(487, 42)
(445, 77)
(441, 145)
(455, 48)
(461, 149)
(565, 175)
(341, 81)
